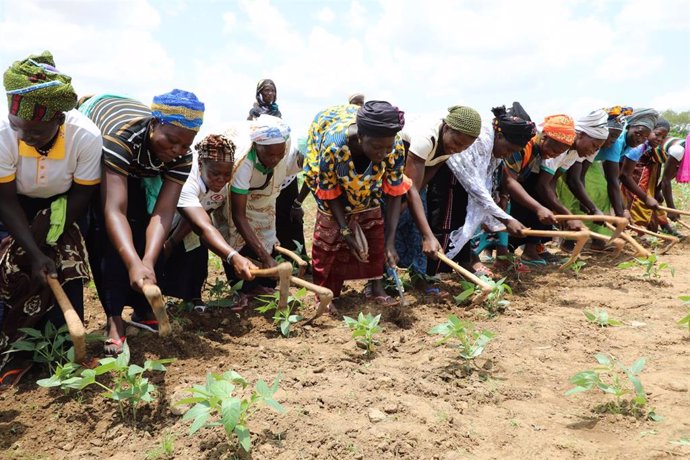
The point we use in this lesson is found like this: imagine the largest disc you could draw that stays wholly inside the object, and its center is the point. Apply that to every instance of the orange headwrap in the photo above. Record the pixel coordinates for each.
(560, 128)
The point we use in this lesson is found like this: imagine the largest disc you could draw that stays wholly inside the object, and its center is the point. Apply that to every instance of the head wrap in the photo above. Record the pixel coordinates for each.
(216, 147)
(663, 123)
(179, 108)
(515, 129)
(560, 128)
(643, 117)
(464, 119)
(355, 96)
(379, 119)
(36, 90)
(268, 130)
(614, 124)
(260, 87)
(593, 124)
(619, 111)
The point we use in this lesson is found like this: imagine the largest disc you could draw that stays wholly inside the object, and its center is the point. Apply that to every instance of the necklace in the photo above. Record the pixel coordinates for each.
(46, 148)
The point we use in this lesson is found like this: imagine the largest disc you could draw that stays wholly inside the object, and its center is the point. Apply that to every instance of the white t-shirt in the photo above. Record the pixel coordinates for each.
(564, 161)
(252, 175)
(75, 157)
(195, 194)
(424, 136)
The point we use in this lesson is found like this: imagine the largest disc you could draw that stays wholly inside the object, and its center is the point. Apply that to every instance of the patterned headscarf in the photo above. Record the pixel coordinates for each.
(593, 124)
(516, 129)
(179, 108)
(560, 128)
(643, 117)
(379, 119)
(268, 130)
(216, 147)
(36, 90)
(464, 120)
(261, 107)
(619, 111)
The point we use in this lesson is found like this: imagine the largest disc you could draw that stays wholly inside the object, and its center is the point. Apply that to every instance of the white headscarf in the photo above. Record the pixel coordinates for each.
(269, 130)
(593, 124)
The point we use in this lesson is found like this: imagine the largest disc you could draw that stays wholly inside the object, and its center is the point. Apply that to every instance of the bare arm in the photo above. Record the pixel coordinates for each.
(415, 170)
(670, 171)
(574, 180)
(391, 218)
(547, 192)
(519, 194)
(627, 180)
(613, 185)
(161, 221)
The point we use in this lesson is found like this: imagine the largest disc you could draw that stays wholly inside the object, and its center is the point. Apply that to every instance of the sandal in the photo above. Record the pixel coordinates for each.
(198, 305)
(480, 270)
(533, 262)
(150, 325)
(12, 377)
(436, 292)
(242, 304)
(113, 347)
(383, 300)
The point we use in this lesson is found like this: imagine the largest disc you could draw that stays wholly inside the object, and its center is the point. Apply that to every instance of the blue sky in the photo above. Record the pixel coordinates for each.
(568, 56)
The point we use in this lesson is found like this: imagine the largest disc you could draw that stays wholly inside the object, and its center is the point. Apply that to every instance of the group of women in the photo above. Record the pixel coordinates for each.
(109, 187)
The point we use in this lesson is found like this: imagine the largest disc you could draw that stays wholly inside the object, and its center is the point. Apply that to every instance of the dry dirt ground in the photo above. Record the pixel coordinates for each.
(412, 399)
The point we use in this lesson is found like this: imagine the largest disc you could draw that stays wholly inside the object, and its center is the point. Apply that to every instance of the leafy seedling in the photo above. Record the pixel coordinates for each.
(651, 265)
(600, 317)
(50, 346)
(286, 317)
(471, 342)
(686, 301)
(364, 328)
(166, 449)
(222, 294)
(614, 378)
(495, 302)
(129, 387)
(468, 291)
(215, 404)
(577, 267)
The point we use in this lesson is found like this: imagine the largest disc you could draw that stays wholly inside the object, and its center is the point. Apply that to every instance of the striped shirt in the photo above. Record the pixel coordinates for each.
(125, 125)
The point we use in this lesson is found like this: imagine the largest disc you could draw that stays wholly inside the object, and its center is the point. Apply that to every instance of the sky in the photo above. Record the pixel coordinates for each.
(554, 56)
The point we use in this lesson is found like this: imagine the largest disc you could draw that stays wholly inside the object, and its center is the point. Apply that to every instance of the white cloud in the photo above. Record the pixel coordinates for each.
(325, 15)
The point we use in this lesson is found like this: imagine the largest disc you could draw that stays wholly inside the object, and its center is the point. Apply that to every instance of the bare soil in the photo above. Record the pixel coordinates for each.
(413, 399)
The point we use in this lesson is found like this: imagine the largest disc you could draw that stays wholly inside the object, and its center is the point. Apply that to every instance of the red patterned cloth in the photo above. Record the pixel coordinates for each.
(332, 260)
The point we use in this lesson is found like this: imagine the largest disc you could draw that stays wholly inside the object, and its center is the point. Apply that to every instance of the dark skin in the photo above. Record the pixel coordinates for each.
(375, 149)
(269, 156)
(38, 134)
(546, 183)
(166, 142)
(268, 94)
(670, 171)
(635, 136)
(655, 138)
(215, 175)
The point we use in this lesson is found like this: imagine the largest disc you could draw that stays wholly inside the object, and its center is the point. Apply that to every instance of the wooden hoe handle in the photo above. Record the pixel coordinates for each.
(74, 324)
(155, 299)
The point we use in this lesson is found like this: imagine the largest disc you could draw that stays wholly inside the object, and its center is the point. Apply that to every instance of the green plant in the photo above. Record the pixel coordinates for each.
(166, 449)
(468, 290)
(577, 267)
(129, 386)
(686, 301)
(600, 317)
(471, 341)
(406, 278)
(49, 347)
(514, 265)
(614, 378)
(284, 318)
(495, 302)
(364, 328)
(216, 401)
(222, 294)
(652, 268)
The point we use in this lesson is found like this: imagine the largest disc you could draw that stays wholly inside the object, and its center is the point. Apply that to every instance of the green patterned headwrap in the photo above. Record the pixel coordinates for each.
(464, 119)
(36, 90)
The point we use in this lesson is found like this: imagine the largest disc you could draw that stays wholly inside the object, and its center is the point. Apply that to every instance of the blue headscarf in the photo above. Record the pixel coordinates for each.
(179, 108)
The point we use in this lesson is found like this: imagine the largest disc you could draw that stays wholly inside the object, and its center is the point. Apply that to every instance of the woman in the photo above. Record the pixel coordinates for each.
(147, 160)
(466, 199)
(638, 127)
(50, 165)
(185, 250)
(428, 144)
(260, 170)
(678, 167)
(591, 133)
(266, 96)
(355, 158)
(641, 173)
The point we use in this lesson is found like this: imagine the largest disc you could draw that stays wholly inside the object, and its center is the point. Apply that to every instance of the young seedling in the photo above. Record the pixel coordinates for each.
(471, 341)
(284, 318)
(215, 404)
(686, 301)
(166, 449)
(600, 317)
(364, 328)
(614, 378)
(652, 269)
(577, 267)
(49, 347)
(222, 294)
(495, 303)
(129, 386)
(469, 289)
